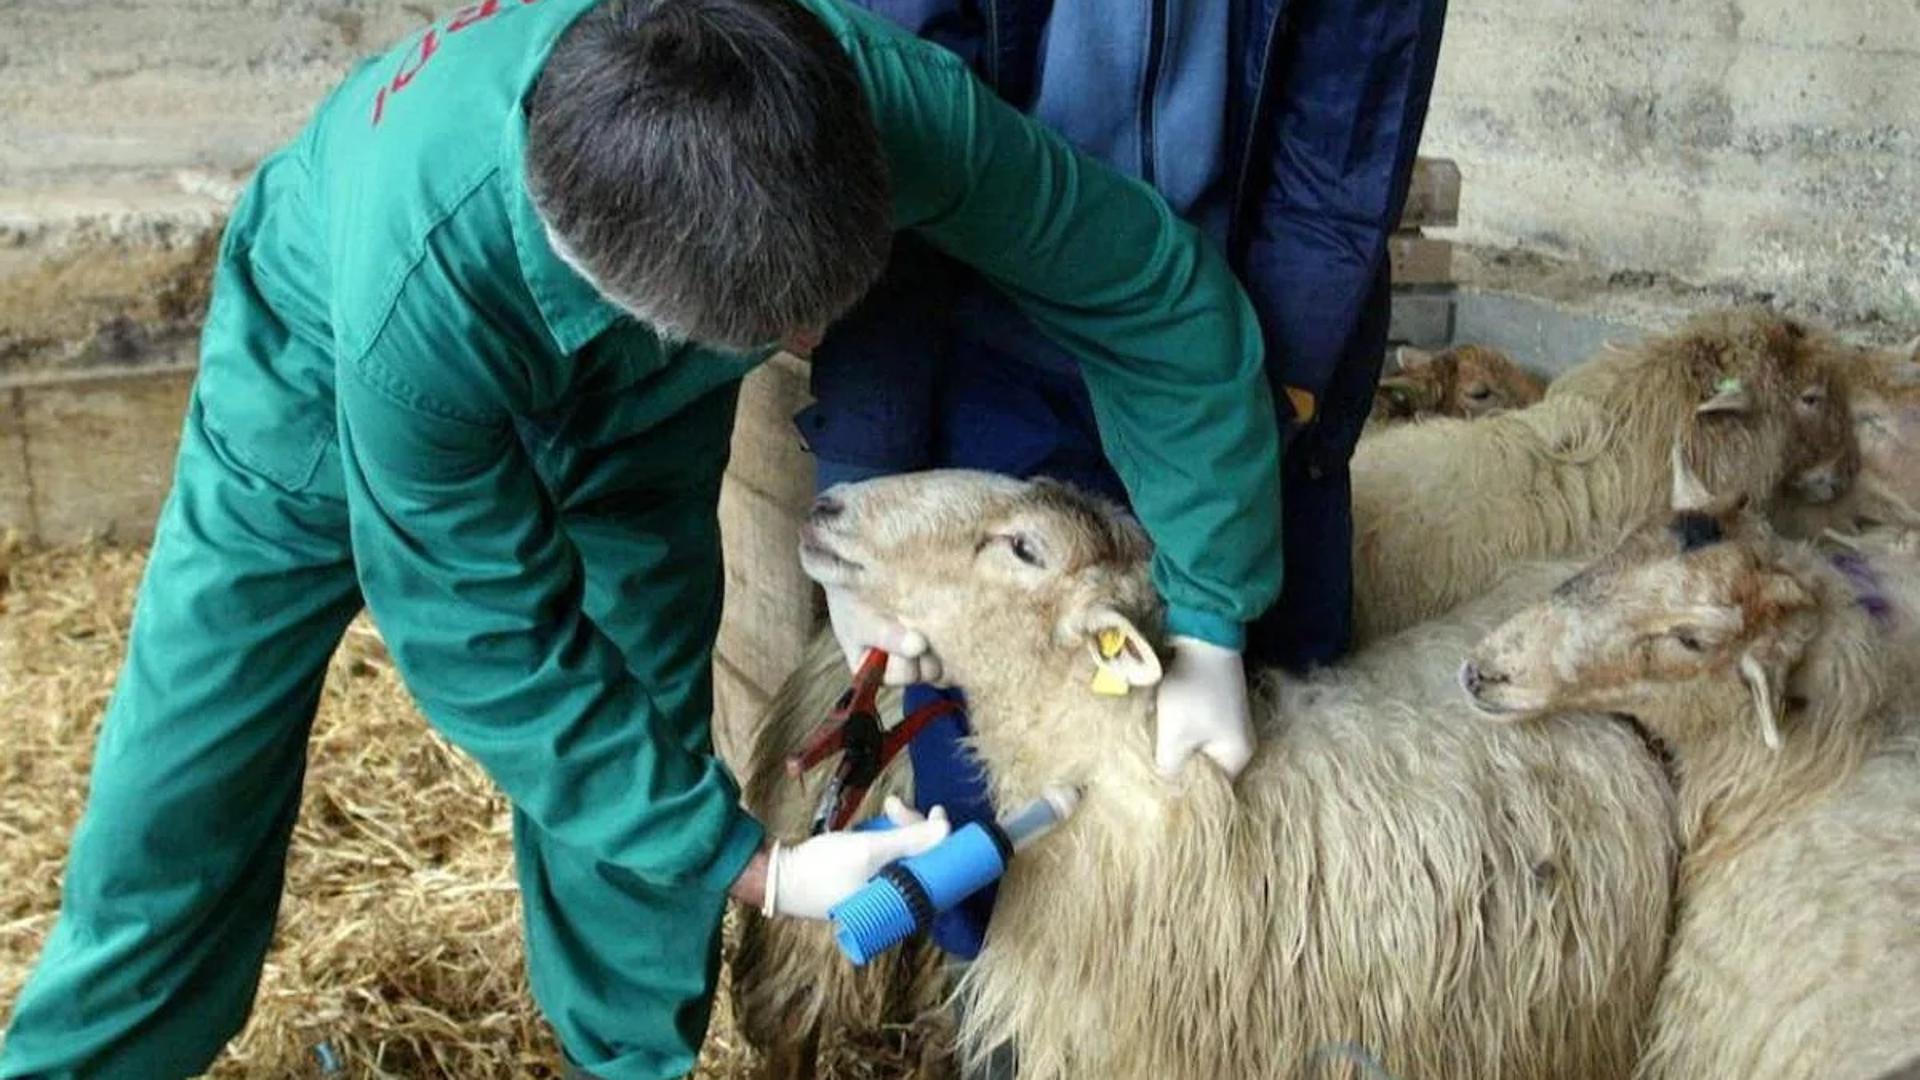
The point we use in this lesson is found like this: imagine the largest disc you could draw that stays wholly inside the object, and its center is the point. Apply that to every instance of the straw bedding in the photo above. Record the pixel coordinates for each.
(399, 938)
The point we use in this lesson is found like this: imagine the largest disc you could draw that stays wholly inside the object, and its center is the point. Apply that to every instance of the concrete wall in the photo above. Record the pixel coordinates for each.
(1770, 143)
(119, 115)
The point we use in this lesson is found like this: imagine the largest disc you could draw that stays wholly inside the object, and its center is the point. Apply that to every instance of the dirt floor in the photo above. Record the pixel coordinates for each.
(399, 943)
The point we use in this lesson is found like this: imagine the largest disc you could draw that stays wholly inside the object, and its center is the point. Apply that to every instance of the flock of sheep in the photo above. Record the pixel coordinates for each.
(1622, 781)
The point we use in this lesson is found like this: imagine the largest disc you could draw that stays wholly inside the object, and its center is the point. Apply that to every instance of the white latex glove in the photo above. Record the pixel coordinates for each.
(807, 881)
(859, 628)
(1202, 706)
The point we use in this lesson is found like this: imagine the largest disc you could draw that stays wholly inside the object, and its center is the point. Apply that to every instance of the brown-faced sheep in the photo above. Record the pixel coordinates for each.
(1442, 508)
(1463, 382)
(1783, 683)
(1460, 899)
(1884, 405)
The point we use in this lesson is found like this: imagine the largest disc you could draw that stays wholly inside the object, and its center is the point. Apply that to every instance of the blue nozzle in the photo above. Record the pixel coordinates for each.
(903, 899)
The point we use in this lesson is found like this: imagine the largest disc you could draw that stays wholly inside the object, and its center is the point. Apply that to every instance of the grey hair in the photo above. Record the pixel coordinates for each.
(711, 166)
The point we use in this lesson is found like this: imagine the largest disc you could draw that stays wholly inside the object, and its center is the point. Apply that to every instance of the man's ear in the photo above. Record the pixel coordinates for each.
(1120, 650)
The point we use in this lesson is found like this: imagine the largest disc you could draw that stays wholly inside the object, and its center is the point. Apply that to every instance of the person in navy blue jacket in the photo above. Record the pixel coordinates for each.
(1286, 130)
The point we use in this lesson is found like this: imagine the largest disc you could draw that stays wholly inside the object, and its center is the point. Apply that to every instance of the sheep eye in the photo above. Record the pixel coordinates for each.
(1480, 393)
(1688, 641)
(1813, 399)
(1024, 551)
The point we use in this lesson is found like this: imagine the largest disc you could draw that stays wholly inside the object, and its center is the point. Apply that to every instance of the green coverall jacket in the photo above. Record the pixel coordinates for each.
(406, 398)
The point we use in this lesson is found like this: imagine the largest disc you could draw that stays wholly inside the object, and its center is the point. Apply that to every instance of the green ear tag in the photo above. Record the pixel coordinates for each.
(1729, 385)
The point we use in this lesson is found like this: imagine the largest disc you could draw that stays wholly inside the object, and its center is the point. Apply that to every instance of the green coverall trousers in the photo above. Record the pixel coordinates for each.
(175, 873)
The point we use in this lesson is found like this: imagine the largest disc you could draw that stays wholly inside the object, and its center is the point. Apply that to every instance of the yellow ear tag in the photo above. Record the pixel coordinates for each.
(1109, 683)
(1109, 642)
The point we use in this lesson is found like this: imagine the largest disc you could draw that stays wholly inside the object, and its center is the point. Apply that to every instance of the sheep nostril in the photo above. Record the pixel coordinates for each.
(826, 508)
(1475, 679)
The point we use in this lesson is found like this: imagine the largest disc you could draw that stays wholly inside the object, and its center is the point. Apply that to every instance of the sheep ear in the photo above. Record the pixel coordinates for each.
(1122, 657)
(1689, 492)
(1408, 358)
(1729, 396)
(1769, 693)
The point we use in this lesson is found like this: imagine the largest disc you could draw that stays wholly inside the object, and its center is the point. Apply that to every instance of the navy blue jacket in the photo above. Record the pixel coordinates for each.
(1286, 129)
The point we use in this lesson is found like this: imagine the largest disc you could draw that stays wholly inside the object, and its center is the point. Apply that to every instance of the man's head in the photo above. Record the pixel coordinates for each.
(711, 166)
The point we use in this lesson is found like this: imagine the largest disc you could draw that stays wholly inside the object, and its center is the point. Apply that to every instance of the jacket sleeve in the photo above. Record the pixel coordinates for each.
(478, 596)
(1168, 340)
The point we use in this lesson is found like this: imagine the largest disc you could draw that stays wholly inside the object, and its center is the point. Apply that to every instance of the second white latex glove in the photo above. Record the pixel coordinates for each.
(806, 881)
(1202, 708)
(858, 628)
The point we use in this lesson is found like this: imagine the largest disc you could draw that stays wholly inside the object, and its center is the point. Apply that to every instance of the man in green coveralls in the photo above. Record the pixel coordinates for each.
(472, 359)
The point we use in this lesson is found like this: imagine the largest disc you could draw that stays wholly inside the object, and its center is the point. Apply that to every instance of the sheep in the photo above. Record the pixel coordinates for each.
(1782, 682)
(1737, 342)
(793, 993)
(1465, 381)
(1884, 406)
(1442, 507)
(1459, 899)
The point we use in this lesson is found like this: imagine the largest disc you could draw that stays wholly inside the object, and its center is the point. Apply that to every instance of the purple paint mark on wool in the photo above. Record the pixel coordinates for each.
(1866, 585)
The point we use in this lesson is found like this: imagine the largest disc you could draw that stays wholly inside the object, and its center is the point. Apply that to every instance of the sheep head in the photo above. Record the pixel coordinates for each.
(1465, 381)
(1764, 380)
(1691, 619)
(1017, 584)
(1885, 412)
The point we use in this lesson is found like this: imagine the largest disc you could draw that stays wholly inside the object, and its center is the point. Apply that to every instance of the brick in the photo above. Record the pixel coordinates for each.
(1433, 195)
(1420, 260)
(1422, 316)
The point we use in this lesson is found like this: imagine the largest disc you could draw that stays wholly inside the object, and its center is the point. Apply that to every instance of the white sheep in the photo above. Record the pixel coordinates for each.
(1442, 508)
(1457, 898)
(1786, 685)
